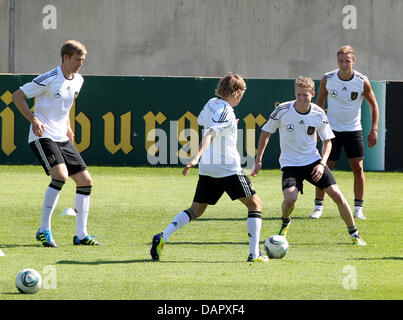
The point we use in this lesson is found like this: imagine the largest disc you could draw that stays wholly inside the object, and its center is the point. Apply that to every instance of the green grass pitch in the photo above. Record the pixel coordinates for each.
(207, 258)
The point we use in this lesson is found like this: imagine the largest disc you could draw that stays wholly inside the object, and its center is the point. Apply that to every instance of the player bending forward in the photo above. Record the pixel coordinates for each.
(298, 123)
(51, 138)
(219, 168)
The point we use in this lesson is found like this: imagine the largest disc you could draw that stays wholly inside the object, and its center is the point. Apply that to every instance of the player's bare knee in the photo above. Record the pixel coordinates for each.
(336, 195)
(290, 198)
(59, 175)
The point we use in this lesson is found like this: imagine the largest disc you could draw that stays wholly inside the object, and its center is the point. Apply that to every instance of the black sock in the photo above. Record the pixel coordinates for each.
(286, 221)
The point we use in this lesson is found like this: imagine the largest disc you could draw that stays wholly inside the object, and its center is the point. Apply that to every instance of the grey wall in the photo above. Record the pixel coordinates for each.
(257, 38)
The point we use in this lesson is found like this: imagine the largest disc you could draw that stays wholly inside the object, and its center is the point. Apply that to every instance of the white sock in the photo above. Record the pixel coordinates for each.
(253, 226)
(49, 205)
(178, 222)
(318, 208)
(82, 206)
(318, 204)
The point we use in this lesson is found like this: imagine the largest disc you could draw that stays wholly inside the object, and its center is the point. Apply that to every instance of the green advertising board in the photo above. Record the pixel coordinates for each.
(142, 121)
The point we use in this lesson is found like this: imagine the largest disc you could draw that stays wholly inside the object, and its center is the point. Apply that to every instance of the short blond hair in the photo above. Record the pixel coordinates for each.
(305, 82)
(345, 50)
(72, 46)
(229, 84)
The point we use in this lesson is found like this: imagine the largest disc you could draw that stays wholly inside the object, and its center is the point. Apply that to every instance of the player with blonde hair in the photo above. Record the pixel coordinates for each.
(51, 138)
(299, 122)
(219, 168)
(344, 89)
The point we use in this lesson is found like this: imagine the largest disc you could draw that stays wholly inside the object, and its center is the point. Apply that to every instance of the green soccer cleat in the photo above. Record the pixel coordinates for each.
(87, 241)
(46, 238)
(284, 229)
(157, 246)
(260, 258)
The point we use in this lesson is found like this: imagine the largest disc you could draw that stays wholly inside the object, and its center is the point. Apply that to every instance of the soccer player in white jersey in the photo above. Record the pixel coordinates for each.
(345, 89)
(219, 168)
(299, 122)
(51, 138)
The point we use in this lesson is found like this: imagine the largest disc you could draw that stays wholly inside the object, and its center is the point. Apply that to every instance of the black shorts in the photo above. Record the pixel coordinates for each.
(295, 176)
(352, 141)
(50, 153)
(209, 190)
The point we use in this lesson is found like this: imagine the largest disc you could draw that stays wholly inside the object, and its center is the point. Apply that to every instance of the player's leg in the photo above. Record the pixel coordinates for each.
(292, 183)
(49, 155)
(355, 153)
(208, 191)
(84, 184)
(290, 195)
(240, 187)
(337, 145)
(357, 166)
(253, 227)
(78, 172)
(345, 212)
(320, 197)
(180, 220)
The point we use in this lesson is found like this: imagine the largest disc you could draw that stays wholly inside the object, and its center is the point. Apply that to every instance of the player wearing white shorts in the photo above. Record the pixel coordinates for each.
(345, 89)
(51, 138)
(219, 168)
(299, 122)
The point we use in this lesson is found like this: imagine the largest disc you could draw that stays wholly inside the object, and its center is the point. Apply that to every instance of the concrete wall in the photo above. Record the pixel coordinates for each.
(257, 38)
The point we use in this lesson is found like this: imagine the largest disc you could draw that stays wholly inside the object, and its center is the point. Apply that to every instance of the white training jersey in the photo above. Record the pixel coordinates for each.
(222, 158)
(298, 133)
(54, 97)
(344, 101)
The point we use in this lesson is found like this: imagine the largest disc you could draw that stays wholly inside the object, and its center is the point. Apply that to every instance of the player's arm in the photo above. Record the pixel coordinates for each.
(318, 170)
(19, 99)
(322, 94)
(374, 110)
(263, 141)
(203, 146)
(70, 133)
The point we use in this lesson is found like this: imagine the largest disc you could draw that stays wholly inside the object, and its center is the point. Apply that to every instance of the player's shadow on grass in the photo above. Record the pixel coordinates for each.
(97, 262)
(214, 243)
(10, 246)
(244, 219)
(383, 258)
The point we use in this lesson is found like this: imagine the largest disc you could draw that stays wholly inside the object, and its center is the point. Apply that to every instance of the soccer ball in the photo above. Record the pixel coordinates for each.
(276, 246)
(28, 281)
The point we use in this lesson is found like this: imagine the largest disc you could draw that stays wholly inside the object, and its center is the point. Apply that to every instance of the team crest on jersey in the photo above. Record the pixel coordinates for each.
(290, 127)
(310, 130)
(354, 95)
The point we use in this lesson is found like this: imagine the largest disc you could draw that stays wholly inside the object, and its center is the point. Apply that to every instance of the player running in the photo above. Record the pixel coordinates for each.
(299, 122)
(51, 138)
(219, 168)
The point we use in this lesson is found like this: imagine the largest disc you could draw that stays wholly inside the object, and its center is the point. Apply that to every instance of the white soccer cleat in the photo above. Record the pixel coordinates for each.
(316, 214)
(359, 215)
(69, 212)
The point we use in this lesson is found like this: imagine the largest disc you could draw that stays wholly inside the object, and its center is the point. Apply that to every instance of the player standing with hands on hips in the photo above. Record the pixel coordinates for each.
(299, 122)
(51, 138)
(345, 89)
(219, 168)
